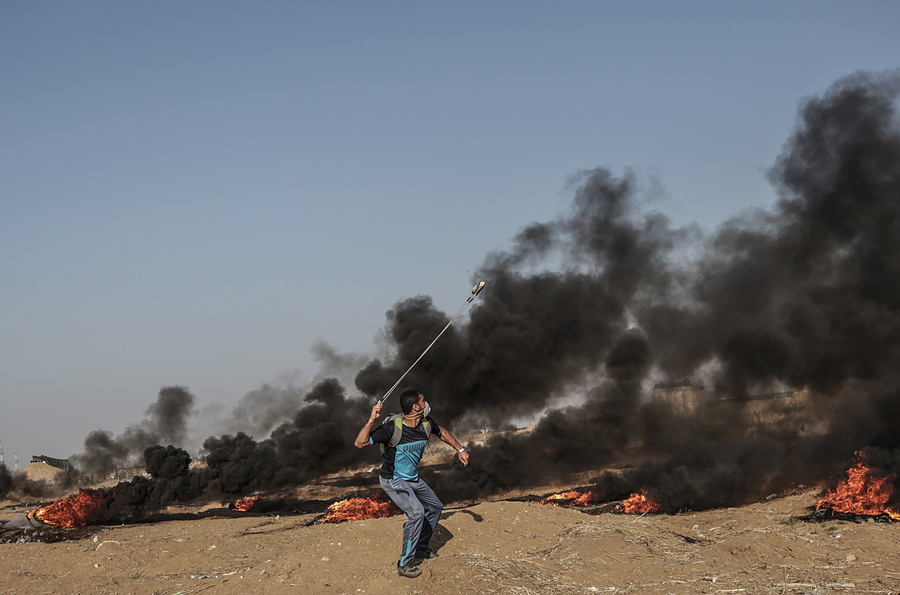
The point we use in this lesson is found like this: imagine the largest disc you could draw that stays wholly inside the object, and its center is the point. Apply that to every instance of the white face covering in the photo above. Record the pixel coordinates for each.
(425, 412)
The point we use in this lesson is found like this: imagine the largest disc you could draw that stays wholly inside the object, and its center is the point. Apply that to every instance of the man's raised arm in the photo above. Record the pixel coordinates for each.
(362, 440)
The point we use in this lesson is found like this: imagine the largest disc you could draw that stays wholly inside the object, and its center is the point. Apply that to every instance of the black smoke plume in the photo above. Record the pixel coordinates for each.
(165, 422)
(804, 295)
(317, 441)
(6, 481)
(582, 314)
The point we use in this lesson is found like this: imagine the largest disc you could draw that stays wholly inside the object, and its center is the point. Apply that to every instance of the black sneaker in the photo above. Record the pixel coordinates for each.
(409, 570)
(426, 554)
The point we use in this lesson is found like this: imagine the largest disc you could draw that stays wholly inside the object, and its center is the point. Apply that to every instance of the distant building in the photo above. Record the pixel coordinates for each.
(787, 412)
(63, 464)
(684, 396)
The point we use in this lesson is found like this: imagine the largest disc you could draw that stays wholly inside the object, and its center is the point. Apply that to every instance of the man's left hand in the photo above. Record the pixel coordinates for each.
(463, 457)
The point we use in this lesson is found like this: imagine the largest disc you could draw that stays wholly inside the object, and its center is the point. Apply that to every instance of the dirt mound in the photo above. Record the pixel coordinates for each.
(39, 471)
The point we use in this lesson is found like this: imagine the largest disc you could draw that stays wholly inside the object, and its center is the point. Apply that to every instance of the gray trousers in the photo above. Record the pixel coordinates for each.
(422, 508)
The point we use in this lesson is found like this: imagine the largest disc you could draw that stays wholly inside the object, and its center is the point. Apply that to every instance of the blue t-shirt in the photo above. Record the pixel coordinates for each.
(402, 461)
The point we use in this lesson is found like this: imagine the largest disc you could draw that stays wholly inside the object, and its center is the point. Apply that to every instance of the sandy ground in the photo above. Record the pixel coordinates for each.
(491, 547)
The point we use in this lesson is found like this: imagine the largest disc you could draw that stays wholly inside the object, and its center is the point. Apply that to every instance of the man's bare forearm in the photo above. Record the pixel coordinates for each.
(450, 439)
(362, 439)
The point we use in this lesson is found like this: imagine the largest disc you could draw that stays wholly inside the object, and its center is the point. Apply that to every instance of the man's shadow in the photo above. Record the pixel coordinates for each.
(442, 534)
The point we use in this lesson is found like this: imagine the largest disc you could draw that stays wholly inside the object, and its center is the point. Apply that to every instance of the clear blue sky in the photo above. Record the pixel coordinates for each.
(192, 193)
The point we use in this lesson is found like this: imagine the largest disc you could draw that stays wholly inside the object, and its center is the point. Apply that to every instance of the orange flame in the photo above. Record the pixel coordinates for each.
(77, 510)
(357, 509)
(246, 504)
(640, 503)
(863, 493)
(577, 498)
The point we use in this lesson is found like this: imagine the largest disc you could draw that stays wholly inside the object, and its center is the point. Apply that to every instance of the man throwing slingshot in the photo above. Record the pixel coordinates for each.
(403, 441)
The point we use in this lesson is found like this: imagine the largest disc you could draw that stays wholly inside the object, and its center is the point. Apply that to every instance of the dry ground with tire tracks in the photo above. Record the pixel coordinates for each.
(491, 547)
